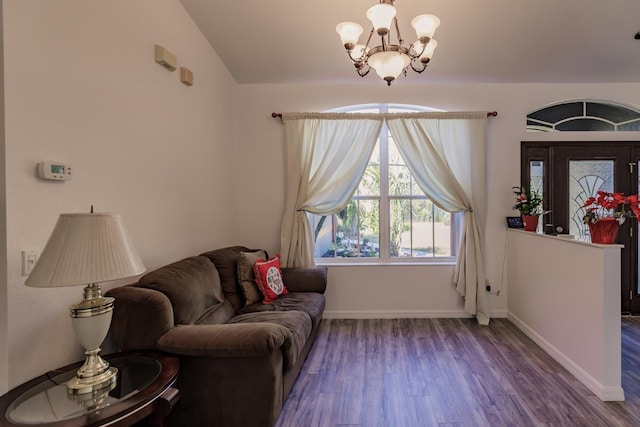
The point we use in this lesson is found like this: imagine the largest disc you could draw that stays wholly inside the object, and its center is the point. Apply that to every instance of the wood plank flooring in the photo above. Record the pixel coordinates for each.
(448, 373)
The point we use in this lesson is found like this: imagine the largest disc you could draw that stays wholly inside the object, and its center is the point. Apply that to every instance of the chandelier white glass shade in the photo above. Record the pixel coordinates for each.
(391, 57)
(86, 249)
(381, 16)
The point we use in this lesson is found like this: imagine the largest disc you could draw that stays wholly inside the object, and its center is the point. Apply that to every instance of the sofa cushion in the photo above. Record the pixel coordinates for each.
(310, 302)
(297, 323)
(246, 276)
(192, 285)
(269, 279)
(220, 315)
(226, 262)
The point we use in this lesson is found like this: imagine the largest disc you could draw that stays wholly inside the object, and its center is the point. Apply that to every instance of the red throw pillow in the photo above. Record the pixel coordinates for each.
(269, 279)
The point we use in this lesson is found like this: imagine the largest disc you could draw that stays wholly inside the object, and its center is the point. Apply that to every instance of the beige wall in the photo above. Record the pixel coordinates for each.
(81, 86)
(393, 291)
(4, 351)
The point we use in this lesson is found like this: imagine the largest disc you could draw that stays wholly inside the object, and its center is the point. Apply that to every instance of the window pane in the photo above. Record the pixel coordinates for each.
(534, 126)
(633, 126)
(422, 228)
(322, 229)
(441, 232)
(580, 124)
(370, 183)
(400, 228)
(419, 229)
(556, 113)
(614, 113)
(353, 232)
(346, 231)
(586, 177)
(401, 182)
(536, 182)
(536, 178)
(369, 243)
(394, 154)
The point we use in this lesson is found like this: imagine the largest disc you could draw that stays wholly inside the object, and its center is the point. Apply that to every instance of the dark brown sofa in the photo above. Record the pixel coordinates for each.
(237, 363)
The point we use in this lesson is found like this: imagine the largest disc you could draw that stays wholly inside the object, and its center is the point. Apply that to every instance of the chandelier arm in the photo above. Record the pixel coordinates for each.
(363, 73)
(366, 45)
(400, 41)
(418, 70)
(424, 47)
(360, 59)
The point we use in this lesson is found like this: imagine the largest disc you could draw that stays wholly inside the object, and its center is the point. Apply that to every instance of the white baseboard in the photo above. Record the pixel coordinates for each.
(394, 314)
(605, 393)
(404, 314)
(499, 314)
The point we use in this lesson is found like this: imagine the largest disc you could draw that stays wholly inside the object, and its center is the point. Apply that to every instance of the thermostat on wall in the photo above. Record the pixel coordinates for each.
(54, 170)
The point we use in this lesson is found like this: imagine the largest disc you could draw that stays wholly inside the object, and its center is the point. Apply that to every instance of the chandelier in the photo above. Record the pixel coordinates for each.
(389, 59)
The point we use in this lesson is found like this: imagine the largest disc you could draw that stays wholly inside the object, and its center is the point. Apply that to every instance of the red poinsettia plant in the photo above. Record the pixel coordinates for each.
(611, 205)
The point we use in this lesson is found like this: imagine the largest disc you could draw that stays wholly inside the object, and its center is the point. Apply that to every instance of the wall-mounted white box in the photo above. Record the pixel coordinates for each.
(186, 76)
(165, 58)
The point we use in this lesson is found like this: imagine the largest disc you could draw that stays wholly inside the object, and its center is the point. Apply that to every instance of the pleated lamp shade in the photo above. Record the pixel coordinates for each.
(86, 248)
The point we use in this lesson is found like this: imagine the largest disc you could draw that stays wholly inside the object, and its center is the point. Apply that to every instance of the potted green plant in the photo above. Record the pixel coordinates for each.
(529, 203)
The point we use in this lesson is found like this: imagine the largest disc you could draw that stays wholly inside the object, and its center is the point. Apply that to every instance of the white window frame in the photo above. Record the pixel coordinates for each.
(384, 200)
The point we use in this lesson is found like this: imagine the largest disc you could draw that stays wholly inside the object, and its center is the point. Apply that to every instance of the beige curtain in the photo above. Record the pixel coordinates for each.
(326, 156)
(446, 154)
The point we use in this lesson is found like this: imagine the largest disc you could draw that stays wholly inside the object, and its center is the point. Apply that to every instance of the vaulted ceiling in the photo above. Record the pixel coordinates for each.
(488, 41)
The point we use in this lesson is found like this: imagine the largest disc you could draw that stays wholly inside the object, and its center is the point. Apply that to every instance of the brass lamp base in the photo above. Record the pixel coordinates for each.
(95, 374)
(91, 319)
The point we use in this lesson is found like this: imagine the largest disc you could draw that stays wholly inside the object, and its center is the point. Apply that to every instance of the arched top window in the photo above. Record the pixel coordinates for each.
(382, 108)
(584, 115)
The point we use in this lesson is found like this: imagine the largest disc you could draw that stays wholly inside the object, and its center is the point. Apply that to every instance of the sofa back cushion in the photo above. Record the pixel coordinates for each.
(226, 262)
(193, 287)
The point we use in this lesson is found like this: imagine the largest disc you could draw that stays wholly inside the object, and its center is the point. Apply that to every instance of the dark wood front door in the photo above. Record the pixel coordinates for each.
(571, 173)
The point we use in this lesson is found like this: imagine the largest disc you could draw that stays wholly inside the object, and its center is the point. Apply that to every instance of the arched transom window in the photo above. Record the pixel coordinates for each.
(584, 115)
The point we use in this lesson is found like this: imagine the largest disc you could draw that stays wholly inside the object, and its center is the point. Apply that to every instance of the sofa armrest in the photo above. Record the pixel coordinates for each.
(140, 317)
(305, 279)
(224, 341)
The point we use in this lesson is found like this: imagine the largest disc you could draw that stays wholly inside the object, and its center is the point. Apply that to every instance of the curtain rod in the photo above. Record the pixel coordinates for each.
(279, 115)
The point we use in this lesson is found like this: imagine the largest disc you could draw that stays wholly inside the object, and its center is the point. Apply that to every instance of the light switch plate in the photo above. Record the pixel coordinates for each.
(29, 259)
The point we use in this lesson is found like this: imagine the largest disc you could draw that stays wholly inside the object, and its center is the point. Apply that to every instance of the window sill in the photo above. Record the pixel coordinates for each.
(322, 262)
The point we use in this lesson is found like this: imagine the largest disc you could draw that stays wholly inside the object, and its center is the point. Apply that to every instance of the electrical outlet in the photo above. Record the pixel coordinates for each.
(29, 259)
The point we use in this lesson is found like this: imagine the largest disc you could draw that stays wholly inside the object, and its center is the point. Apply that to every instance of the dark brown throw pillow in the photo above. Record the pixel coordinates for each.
(246, 276)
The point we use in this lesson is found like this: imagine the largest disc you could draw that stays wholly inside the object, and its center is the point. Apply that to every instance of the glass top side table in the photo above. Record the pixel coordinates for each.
(143, 388)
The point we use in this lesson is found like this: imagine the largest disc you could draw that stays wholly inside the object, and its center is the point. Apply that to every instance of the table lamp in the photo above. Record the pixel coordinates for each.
(87, 249)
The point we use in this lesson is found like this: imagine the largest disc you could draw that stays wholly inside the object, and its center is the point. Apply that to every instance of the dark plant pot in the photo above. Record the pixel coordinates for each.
(530, 222)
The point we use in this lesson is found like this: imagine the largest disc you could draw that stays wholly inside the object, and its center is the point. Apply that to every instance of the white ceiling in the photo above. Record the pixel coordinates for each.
(479, 41)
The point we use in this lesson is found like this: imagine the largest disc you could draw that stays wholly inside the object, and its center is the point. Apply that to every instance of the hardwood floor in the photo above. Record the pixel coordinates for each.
(448, 372)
